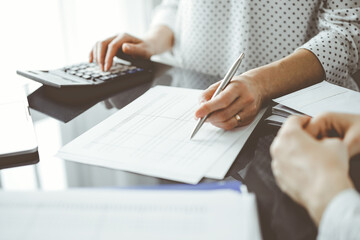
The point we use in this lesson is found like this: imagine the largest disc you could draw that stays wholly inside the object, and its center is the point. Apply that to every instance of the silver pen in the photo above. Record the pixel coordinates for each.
(222, 86)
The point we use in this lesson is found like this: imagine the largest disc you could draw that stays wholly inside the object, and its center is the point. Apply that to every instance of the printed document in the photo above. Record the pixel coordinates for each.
(322, 97)
(128, 214)
(151, 136)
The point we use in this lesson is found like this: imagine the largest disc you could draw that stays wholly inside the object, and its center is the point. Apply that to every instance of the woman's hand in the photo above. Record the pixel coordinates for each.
(104, 51)
(158, 40)
(237, 105)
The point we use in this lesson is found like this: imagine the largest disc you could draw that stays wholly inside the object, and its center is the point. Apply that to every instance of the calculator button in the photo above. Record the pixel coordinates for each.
(104, 78)
(95, 75)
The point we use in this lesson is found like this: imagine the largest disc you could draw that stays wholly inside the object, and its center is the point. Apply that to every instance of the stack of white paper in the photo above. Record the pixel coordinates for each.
(112, 214)
(152, 136)
(322, 97)
(314, 100)
(279, 115)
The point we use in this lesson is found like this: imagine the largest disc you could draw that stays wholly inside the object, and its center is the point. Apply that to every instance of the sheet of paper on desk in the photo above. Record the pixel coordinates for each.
(322, 97)
(151, 136)
(128, 214)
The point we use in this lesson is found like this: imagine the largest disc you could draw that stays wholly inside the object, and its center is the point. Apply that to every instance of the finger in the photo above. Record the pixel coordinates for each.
(223, 100)
(318, 126)
(136, 50)
(91, 56)
(315, 128)
(112, 49)
(115, 44)
(227, 125)
(328, 125)
(98, 54)
(295, 122)
(101, 51)
(226, 113)
(247, 116)
(209, 92)
(94, 51)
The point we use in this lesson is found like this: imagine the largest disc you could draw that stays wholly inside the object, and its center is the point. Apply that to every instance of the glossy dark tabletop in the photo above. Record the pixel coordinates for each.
(280, 217)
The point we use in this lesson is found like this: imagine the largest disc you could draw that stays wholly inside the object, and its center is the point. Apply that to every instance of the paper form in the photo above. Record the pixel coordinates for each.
(322, 97)
(221, 166)
(152, 136)
(128, 214)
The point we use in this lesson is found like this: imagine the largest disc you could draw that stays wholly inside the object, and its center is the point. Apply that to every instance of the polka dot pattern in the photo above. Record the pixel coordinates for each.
(211, 34)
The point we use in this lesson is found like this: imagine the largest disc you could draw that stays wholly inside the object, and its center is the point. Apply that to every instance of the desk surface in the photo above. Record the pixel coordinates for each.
(280, 217)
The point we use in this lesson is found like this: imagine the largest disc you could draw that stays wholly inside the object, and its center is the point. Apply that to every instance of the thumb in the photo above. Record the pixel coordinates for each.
(209, 92)
(135, 50)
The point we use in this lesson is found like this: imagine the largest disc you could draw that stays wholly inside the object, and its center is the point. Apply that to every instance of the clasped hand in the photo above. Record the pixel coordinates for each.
(310, 164)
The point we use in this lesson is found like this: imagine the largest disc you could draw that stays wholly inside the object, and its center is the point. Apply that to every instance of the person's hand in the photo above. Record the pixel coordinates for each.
(104, 51)
(345, 126)
(311, 171)
(241, 97)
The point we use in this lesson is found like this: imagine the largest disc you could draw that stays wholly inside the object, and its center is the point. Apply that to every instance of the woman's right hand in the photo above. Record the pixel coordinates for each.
(104, 51)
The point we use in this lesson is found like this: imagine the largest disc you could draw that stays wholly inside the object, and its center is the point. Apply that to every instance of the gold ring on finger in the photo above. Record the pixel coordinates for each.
(238, 118)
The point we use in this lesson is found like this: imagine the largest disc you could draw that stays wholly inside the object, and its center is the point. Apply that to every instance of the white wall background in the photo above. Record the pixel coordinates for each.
(45, 34)
(49, 33)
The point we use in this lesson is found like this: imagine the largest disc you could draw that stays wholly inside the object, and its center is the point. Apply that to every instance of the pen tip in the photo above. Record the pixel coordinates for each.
(192, 135)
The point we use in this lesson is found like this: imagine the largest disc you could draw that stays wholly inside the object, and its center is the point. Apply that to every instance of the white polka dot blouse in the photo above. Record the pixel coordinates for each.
(211, 34)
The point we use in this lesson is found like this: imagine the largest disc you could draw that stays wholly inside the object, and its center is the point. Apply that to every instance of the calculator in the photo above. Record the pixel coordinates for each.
(124, 69)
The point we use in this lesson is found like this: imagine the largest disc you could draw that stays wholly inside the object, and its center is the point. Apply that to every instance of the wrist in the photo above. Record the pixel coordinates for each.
(321, 194)
(160, 39)
(261, 78)
(150, 43)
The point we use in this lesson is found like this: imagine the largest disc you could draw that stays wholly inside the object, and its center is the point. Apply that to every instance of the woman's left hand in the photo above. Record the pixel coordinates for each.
(237, 105)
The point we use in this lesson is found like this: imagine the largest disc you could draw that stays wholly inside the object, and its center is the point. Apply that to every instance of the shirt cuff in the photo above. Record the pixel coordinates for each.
(334, 58)
(341, 218)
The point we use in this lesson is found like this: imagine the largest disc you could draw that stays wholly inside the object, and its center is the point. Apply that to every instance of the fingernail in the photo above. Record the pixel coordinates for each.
(106, 66)
(126, 46)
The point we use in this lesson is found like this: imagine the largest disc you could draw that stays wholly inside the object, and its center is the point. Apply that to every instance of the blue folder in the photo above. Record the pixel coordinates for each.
(232, 185)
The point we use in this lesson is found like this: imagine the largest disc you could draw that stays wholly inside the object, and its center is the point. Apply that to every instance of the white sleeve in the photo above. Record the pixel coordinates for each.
(337, 45)
(341, 219)
(165, 14)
